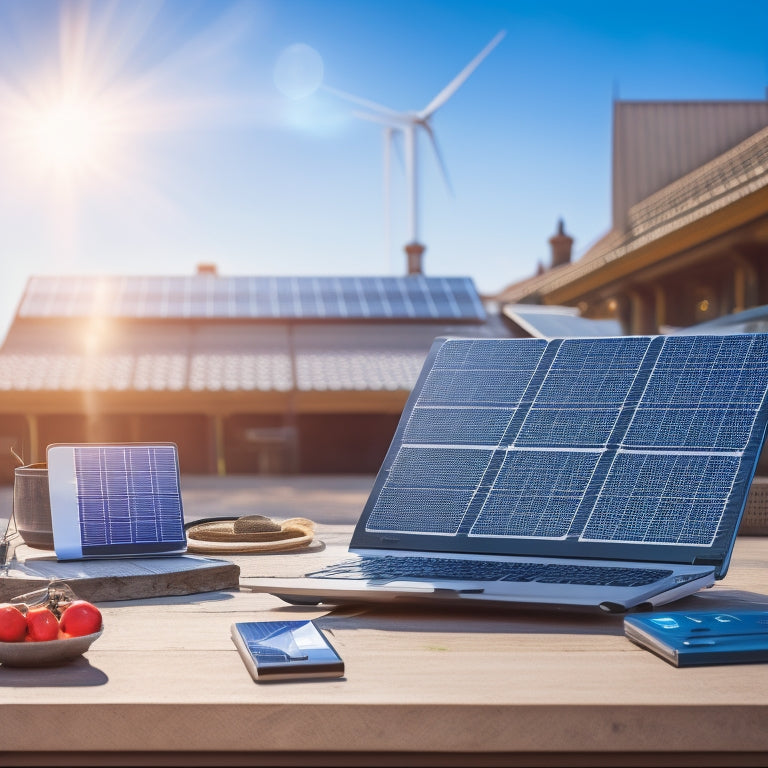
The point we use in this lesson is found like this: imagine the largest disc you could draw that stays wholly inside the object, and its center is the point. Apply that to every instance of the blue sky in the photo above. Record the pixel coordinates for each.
(147, 137)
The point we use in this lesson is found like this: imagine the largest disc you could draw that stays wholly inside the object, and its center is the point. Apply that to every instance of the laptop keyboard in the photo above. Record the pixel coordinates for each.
(390, 568)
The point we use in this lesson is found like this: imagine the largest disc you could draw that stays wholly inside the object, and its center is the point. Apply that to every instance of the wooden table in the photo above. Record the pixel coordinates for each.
(165, 685)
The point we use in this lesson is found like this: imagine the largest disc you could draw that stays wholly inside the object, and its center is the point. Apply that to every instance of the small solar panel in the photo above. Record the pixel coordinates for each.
(635, 447)
(415, 297)
(115, 500)
(552, 322)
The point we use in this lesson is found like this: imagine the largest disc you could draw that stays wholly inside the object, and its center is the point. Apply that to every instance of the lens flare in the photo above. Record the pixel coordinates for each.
(69, 137)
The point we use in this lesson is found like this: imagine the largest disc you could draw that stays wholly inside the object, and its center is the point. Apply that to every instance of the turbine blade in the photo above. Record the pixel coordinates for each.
(391, 123)
(454, 85)
(443, 168)
(367, 103)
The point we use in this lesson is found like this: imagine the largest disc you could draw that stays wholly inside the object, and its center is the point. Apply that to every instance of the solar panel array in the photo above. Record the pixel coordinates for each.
(128, 498)
(213, 297)
(636, 440)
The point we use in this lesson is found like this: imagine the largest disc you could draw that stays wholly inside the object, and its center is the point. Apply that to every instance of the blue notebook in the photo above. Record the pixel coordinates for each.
(698, 637)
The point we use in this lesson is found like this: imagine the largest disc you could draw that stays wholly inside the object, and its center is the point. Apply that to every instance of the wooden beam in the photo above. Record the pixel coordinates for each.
(751, 210)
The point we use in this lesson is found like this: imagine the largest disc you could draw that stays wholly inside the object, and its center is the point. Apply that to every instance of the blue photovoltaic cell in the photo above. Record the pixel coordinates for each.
(638, 440)
(567, 427)
(128, 496)
(536, 493)
(457, 426)
(420, 510)
(439, 467)
(704, 392)
(592, 372)
(662, 498)
(480, 373)
(490, 388)
(487, 354)
(429, 489)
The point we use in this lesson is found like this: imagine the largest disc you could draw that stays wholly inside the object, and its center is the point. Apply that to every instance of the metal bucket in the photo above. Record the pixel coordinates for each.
(32, 505)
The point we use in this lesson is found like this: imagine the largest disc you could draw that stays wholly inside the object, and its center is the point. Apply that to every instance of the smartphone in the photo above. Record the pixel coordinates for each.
(696, 638)
(286, 650)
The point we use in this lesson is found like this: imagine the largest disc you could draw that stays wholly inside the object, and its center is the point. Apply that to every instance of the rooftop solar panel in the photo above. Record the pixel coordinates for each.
(212, 297)
(551, 322)
(635, 447)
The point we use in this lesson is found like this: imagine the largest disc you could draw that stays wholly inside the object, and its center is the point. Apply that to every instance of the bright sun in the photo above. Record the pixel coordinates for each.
(69, 137)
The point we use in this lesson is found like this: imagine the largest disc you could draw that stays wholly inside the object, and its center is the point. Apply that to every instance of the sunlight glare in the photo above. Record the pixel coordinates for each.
(69, 137)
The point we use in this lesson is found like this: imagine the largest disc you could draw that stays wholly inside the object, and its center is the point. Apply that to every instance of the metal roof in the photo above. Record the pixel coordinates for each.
(657, 142)
(723, 181)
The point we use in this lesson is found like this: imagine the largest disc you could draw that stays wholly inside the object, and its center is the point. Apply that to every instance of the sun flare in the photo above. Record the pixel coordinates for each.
(69, 136)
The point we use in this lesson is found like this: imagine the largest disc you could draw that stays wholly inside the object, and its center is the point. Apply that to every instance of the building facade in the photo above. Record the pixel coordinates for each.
(689, 233)
(244, 374)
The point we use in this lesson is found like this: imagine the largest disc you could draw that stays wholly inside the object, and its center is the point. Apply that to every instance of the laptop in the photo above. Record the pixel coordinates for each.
(586, 473)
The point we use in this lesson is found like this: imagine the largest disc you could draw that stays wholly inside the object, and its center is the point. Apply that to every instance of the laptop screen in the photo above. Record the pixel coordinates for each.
(631, 448)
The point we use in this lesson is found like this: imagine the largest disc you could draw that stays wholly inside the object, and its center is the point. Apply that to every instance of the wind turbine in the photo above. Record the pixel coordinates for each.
(408, 124)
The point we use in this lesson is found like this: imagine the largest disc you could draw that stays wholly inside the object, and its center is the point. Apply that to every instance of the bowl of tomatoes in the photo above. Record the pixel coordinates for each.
(47, 627)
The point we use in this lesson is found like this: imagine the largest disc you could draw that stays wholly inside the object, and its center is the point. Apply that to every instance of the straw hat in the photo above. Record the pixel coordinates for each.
(251, 533)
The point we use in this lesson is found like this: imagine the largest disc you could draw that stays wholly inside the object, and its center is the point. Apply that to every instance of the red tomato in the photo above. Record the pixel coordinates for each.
(42, 624)
(80, 618)
(13, 624)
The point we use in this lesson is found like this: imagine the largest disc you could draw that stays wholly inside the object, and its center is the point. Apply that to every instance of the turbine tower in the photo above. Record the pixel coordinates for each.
(408, 124)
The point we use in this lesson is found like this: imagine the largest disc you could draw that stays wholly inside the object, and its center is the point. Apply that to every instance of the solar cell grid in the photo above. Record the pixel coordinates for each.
(493, 387)
(626, 440)
(592, 372)
(559, 427)
(420, 510)
(127, 496)
(536, 493)
(203, 296)
(662, 497)
(460, 425)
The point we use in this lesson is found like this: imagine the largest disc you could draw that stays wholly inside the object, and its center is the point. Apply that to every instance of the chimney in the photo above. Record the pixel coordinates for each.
(207, 269)
(561, 245)
(415, 252)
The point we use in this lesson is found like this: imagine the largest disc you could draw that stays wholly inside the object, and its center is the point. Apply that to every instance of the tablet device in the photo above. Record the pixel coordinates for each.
(286, 650)
(115, 500)
(702, 637)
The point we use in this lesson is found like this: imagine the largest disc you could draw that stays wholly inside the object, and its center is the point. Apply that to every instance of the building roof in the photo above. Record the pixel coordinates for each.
(45, 352)
(724, 181)
(657, 142)
(210, 297)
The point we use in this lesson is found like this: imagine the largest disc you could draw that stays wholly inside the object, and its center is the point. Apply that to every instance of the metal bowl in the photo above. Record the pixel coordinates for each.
(45, 653)
(32, 505)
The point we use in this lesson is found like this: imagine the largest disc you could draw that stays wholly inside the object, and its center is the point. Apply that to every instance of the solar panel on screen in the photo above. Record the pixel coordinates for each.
(606, 441)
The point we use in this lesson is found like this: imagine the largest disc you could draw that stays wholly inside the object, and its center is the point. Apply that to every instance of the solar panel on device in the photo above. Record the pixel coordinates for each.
(636, 441)
(128, 498)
